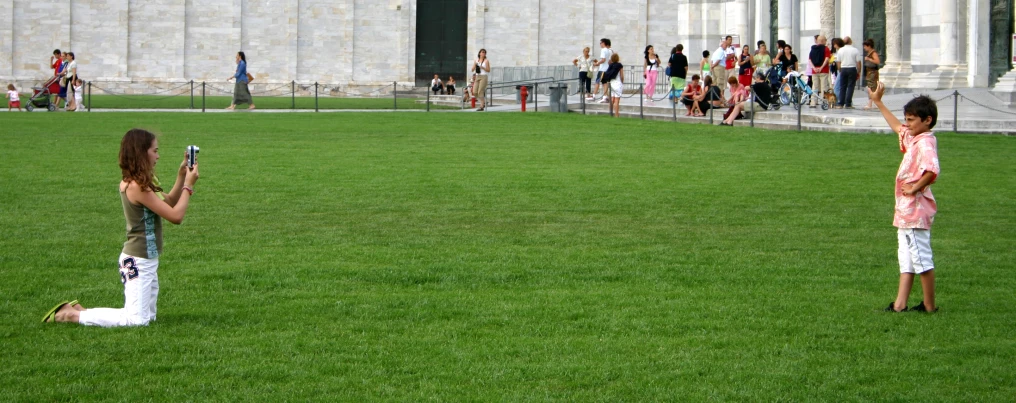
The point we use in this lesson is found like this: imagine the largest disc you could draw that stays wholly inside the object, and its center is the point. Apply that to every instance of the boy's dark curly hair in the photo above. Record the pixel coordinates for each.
(922, 107)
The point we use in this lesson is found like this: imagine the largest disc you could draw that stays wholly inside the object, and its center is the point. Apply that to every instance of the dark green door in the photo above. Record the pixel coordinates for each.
(1000, 40)
(441, 40)
(874, 25)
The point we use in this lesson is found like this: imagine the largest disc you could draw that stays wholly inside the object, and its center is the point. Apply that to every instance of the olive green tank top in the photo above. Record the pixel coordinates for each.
(144, 230)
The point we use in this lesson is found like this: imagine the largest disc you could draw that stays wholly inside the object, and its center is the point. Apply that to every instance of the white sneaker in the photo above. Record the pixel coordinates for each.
(602, 100)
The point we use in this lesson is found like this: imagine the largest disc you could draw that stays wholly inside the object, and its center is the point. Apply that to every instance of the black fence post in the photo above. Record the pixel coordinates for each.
(752, 106)
(799, 106)
(673, 106)
(490, 99)
(712, 105)
(395, 95)
(428, 99)
(202, 96)
(642, 92)
(316, 97)
(536, 97)
(956, 110)
(293, 92)
(582, 97)
(89, 96)
(192, 94)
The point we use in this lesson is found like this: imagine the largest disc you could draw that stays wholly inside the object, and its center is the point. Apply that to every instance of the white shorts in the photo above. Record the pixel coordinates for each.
(616, 88)
(915, 250)
(140, 278)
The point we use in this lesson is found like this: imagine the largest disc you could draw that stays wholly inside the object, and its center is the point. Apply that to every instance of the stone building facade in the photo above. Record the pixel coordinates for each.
(363, 43)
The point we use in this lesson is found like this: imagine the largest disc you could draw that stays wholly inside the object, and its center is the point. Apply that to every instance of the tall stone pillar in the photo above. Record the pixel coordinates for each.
(897, 70)
(978, 46)
(785, 22)
(949, 73)
(827, 18)
(741, 21)
(948, 33)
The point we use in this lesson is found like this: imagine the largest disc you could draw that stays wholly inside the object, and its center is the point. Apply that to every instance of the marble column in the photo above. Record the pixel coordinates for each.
(978, 46)
(827, 18)
(897, 70)
(762, 22)
(949, 73)
(785, 22)
(948, 33)
(740, 15)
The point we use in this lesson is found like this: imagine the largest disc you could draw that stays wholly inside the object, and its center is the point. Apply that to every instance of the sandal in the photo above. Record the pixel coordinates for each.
(51, 314)
(892, 308)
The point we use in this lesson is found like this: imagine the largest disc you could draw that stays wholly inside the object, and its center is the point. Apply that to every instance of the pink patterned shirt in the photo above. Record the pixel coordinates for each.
(920, 155)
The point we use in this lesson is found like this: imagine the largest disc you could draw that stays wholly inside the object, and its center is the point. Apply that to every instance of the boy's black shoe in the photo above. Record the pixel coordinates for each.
(921, 308)
(892, 308)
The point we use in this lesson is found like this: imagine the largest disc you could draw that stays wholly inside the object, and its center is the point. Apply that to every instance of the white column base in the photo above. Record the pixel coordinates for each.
(943, 77)
(896, 75)
(1005, 88)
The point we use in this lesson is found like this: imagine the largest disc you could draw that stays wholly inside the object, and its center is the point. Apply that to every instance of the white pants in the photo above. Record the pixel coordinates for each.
(140, 279)
(915, 250)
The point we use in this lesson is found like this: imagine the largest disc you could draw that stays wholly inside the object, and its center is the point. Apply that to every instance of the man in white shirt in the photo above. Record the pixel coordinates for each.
(718, 66)
(602, 63)
(848, 61)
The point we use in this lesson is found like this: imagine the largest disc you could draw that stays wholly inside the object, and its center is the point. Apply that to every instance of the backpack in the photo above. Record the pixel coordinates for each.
(817, 55)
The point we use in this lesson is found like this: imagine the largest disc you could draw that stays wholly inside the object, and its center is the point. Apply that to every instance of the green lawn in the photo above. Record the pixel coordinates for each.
(219, 102)
(504, 257)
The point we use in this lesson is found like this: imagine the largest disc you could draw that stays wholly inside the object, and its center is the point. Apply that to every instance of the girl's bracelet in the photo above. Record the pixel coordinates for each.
(190, 190)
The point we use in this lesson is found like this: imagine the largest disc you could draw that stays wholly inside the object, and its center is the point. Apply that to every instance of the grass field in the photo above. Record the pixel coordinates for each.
(504, 257)
(220, 102)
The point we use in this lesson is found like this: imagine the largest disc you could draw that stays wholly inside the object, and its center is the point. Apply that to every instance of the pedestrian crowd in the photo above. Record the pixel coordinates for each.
(728, 77)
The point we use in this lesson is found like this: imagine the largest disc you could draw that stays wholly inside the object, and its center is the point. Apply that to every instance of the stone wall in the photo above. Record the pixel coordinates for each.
(341, 42)
(350, 43)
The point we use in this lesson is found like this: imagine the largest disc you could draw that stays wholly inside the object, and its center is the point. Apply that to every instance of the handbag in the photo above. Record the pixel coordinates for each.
(868, 65)
(250, 77)
(731, 110)
(668, 71)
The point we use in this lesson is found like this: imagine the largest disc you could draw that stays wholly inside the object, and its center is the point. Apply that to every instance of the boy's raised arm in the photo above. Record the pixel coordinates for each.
(876, 98)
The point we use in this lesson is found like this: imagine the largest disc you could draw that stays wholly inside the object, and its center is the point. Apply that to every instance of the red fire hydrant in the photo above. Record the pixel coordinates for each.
(524, 94)
(472, 103)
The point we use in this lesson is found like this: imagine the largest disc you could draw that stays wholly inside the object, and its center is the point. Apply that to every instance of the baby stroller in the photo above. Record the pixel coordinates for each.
(796, 87)
(41, 97)
(774, 76)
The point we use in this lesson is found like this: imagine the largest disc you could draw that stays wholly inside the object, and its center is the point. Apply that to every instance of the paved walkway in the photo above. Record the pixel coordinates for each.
(978, 111)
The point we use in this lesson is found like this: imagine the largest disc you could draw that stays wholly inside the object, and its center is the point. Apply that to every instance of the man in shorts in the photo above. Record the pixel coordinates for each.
(602, 63)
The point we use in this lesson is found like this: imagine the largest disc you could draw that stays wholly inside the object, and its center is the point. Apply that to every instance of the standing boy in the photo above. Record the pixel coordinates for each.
(915, 205)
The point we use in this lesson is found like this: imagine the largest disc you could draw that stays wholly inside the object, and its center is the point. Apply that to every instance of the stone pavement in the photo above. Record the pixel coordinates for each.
(978, 112)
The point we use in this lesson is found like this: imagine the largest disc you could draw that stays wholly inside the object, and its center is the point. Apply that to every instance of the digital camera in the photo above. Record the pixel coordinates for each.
(192, 156)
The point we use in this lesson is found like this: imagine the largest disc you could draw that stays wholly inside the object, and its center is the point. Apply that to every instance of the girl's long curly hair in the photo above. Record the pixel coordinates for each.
(134, 163)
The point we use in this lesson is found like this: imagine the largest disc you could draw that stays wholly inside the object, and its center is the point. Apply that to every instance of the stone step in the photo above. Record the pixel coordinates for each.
(866, 121)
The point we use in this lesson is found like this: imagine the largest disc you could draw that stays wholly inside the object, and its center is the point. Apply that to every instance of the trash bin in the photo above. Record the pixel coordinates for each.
(559, 97)
(518, 93)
